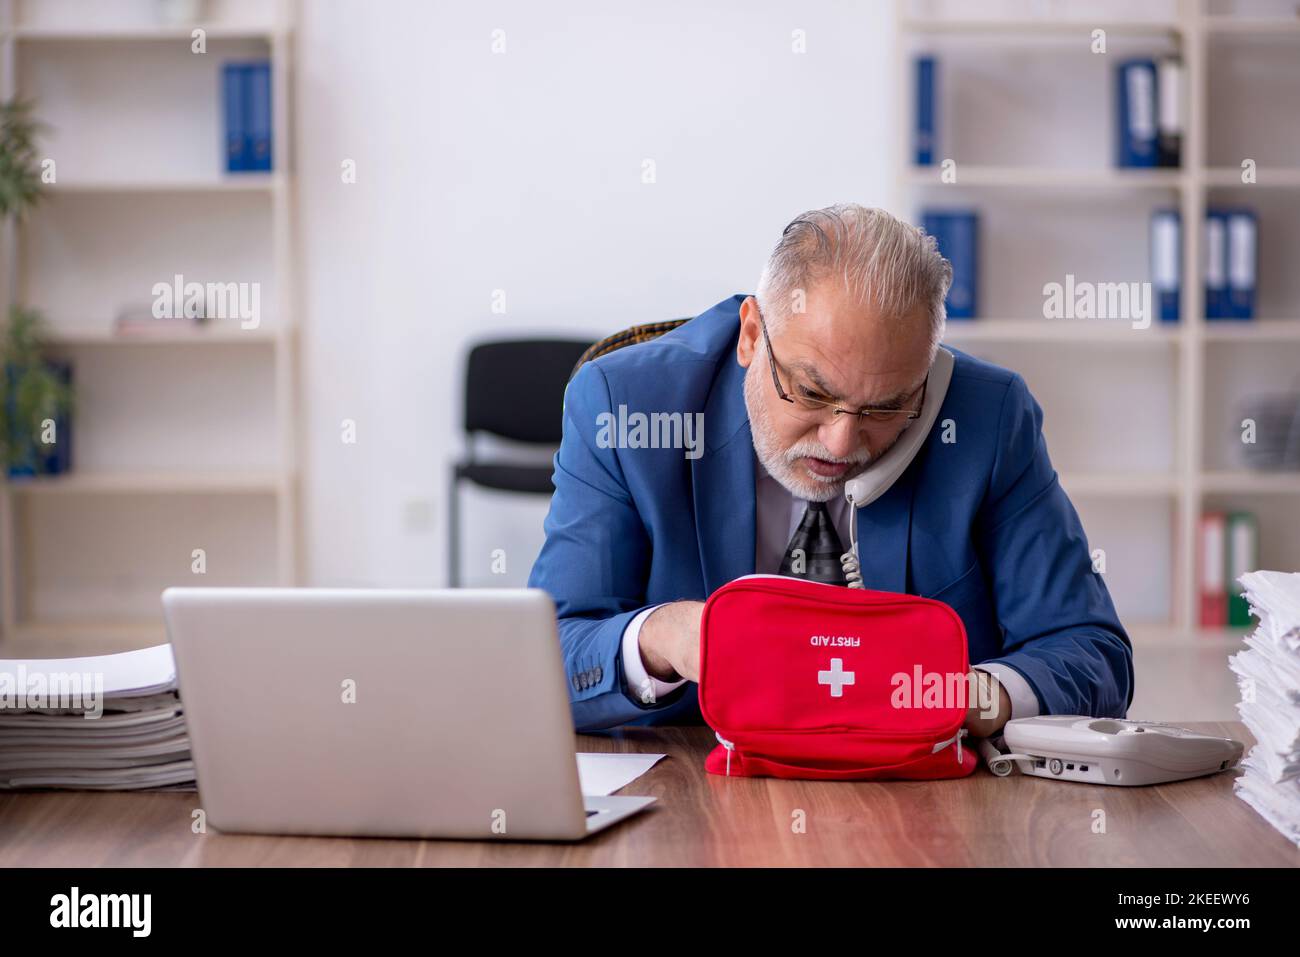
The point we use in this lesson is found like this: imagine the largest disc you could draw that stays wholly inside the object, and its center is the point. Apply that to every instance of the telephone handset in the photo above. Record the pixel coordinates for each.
(884, 472)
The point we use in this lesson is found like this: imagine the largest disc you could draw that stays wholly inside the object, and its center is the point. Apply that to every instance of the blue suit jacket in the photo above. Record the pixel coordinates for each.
(981, 524)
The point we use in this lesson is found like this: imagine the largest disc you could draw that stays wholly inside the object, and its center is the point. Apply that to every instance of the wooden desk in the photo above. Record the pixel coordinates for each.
(704, 820)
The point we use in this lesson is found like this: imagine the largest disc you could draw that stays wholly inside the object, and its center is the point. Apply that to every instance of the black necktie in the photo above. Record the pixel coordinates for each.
(814, 550)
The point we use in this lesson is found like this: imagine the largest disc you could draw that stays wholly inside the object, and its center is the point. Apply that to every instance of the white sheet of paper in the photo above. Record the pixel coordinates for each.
(603, 774)
(129, 673)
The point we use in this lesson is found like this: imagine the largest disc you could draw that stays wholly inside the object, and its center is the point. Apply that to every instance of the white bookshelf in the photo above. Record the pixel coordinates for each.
(228, 183)
(1029, 177)
(73, 33)
(1053, 203)
(1063, 331)
(182, 438)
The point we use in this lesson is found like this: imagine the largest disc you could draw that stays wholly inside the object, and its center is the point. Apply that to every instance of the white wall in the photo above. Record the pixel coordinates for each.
(522, 172)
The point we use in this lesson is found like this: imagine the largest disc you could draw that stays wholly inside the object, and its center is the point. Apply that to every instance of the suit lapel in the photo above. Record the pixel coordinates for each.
(722, 480)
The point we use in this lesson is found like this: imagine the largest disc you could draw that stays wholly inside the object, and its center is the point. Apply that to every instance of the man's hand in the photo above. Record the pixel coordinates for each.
(670, 641)
(984, 719)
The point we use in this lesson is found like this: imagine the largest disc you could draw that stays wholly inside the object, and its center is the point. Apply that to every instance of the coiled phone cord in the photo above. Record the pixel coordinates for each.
(998, 761)
(849, 560)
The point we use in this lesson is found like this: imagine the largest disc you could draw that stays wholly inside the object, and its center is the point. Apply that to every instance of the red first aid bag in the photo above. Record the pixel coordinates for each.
(800, 679)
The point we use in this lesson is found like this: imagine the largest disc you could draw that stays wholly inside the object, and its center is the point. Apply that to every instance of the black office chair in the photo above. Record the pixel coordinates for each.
(514, 389)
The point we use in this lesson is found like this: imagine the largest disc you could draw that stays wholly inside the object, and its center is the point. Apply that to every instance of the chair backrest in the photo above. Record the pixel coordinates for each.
(514, 388)
(628, 337)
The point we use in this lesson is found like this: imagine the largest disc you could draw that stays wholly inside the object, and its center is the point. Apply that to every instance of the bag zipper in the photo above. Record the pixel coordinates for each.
(961, 733)
(729, 746)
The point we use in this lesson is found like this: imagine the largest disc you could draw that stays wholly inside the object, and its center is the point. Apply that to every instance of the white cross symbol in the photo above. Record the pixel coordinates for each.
(837, 677)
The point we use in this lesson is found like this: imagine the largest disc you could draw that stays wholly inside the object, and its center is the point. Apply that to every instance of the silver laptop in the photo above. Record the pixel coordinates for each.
(381, 713)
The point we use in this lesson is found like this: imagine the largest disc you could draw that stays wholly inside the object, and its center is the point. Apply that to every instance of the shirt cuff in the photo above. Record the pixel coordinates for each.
(1024, 703)
(641, 687)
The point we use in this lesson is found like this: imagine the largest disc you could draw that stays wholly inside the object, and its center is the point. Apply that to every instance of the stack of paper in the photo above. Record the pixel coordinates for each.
(1268, 675)
(111, 722)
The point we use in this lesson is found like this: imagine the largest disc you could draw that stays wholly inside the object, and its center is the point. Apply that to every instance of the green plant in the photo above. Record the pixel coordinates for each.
(20, 177)
(34, 391)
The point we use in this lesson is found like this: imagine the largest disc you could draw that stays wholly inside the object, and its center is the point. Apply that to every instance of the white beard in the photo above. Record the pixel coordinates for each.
(780, 463)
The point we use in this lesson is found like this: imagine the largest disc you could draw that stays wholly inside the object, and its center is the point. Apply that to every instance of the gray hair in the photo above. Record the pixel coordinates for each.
(879, 259)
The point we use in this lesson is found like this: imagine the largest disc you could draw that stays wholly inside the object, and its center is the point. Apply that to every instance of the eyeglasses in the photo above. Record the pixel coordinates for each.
(811, 406)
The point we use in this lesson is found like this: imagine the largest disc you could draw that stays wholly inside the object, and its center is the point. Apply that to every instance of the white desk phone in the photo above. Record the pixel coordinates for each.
(1064, 747)
(1108, 750)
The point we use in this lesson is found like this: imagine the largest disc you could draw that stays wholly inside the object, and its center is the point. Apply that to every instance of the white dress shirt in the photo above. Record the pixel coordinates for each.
(777, 515)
